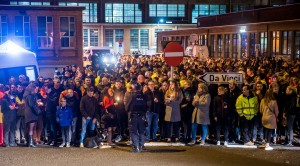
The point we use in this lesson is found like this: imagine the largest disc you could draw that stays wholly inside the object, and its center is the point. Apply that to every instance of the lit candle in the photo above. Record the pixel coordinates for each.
(118, 98)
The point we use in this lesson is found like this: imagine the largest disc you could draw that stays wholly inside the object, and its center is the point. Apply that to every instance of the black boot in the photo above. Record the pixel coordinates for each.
(30, 144)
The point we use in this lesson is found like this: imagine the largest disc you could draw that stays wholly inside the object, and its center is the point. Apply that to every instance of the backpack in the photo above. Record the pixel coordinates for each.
(139, 103)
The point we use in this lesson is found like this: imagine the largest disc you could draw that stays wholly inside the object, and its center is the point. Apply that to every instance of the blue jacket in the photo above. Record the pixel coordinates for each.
(64, 116)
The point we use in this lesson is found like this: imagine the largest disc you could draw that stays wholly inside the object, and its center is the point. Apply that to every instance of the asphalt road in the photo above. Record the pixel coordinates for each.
(120, 155)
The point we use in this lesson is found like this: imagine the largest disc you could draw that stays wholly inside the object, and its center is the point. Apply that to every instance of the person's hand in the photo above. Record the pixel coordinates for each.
(216, 119)
(11, 107)
(155, 100)
(94, 120)
(88, 118)
(115, 104)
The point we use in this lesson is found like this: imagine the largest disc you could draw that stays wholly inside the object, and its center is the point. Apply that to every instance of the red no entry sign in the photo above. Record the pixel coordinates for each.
(173, 54)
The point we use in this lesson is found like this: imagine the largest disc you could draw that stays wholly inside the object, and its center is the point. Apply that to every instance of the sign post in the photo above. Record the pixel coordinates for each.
(173, 55)
(222, 78)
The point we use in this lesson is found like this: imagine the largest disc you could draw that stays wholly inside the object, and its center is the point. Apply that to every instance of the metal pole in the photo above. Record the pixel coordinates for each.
(172, 71)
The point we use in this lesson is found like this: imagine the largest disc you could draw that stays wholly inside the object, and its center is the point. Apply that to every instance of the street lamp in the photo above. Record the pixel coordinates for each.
(160, 21)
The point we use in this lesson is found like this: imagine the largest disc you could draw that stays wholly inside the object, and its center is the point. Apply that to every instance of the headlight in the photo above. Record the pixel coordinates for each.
(105, 60)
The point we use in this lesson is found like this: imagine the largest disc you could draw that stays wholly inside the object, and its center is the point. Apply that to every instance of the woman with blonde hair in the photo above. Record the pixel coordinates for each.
(173, 98)
(200, 115)
(269, 110)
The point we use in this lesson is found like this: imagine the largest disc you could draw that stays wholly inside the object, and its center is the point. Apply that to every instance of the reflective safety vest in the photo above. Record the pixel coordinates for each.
(247, 106)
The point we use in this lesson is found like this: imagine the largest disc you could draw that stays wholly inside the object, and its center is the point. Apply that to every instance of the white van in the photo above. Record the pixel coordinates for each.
(16, 60)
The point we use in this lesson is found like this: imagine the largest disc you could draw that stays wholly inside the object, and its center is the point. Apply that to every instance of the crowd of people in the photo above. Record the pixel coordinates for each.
(265, 109)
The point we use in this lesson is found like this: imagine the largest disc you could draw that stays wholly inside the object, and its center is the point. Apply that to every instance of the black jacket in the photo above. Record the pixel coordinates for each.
(51, 103)
(89, 107)
(289, 105)
(221, 106)
(73, 102)
(151, 105)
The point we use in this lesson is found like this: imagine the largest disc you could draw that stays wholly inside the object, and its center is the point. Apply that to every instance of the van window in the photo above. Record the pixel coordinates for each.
(29, 71)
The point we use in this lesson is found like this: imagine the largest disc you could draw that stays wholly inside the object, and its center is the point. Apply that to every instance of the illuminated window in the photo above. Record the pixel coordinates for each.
(252, 43)
(112, 36)
(206, 10)
(227, 44)
(134, 39)
(220, 45)
(139, 39)
(203, 40)
(166, 10)
(235, 41)
(144, 35)
(3, 29)
(275, 42)
(287, 37)
(22, 31)
(67, 32)
(212, 45)
(297, 44)
(90, 12)
(85, 37)
(242, 7)
(123, 13)
(45, 31)
(29, 3)
(155, 34)
(94, 37)
(263, 43)
(109, 37)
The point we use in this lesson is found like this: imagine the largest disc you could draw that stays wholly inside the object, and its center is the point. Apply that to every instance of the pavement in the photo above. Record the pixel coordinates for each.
(157, 153)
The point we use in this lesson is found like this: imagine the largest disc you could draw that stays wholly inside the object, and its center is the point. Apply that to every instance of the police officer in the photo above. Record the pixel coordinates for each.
(136, 103)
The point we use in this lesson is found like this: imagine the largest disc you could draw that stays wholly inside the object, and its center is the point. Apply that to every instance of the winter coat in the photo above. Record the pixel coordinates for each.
(73, 102)
(31, 108)
(8, 114)
(89, 107)
(221, 103)
(154, 106)
(290, 102)
(269, 114)
(51, 103)
(247, 106)
(187, 107)
(64, 116)
(201, 111)
(175, 107)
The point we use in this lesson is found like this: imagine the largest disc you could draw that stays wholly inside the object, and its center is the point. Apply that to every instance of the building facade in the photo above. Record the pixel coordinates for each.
(131, 25)
(53, 33)
(273, 31)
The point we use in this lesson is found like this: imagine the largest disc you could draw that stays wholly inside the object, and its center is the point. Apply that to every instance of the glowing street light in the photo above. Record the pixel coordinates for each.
(160, 21)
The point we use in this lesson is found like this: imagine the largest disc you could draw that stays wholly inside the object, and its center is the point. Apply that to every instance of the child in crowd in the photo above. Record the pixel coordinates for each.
(64, 117)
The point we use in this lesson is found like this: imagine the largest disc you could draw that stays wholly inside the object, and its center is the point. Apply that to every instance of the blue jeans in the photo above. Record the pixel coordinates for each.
(194, 131)
(50, 125)
(85, 123)
(66, 134)
(152, 117)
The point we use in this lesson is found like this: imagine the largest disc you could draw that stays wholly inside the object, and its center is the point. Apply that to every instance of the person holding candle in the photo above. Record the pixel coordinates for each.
(173, 98)
(122, 118)
(9, 110)
(110, 107)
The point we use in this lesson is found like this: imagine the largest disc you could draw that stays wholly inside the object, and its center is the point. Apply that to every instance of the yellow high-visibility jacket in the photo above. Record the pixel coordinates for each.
(247, 106)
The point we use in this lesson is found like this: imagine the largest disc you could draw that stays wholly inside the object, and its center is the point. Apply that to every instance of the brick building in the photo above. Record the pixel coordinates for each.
(53, 33)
